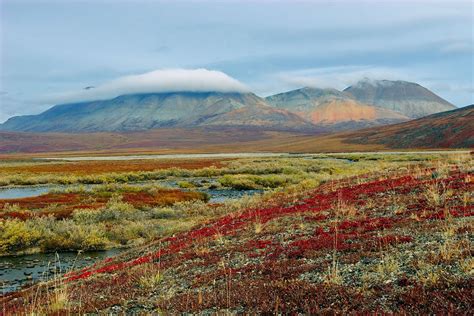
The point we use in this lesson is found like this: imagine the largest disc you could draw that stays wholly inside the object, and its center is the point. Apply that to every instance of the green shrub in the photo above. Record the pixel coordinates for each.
(67, 235)
(185, 184)
(273, 181)
(17, 235)
(238, 182)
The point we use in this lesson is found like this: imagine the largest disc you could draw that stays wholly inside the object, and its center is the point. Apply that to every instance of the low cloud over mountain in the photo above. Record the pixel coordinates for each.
(158, 81)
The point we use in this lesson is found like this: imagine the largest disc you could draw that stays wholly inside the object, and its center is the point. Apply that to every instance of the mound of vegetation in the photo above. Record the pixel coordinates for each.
(108, 216)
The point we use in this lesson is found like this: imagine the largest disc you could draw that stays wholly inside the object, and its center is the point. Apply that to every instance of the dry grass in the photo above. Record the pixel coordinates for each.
(150, 280)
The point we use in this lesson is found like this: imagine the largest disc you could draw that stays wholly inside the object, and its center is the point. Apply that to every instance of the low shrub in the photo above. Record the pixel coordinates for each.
(238, 182)
(17, 235)
(185, 184)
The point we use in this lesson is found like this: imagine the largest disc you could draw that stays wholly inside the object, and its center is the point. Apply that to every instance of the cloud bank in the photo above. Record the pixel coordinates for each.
(158, 81)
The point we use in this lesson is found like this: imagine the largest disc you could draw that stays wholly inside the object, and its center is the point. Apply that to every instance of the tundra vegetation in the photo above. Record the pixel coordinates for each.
(345, 233)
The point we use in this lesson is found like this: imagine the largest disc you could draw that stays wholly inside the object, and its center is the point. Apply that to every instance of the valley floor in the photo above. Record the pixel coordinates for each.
(382, 234)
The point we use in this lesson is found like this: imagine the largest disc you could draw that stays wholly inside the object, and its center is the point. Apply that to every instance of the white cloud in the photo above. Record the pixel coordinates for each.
(164, 80)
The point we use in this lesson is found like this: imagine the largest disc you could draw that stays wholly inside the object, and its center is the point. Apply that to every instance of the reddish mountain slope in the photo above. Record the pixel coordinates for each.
(451, 129)
(350, 114)
(333, 109)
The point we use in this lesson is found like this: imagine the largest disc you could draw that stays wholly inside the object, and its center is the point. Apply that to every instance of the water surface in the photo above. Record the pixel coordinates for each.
(17, 271)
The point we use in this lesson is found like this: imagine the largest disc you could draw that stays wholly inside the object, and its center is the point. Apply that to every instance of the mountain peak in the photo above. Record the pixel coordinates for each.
(364, 82)
(408, 98)
(333, 109)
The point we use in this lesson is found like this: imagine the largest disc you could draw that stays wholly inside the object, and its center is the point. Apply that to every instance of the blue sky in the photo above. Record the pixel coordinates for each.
(53, 49)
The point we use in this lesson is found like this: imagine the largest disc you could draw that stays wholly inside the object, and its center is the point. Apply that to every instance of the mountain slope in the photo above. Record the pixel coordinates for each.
(304, 99)
(350, 114)
(261, 116)
(333, 109)
(154, 110)
(451, 129)
(408, 98)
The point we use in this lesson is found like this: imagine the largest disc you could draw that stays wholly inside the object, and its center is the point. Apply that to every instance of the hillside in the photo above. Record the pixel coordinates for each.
(351, 115)
(262, 116)
(333, 109)
(163, 140)
(408, 98)
(139, 112)
(451, 129)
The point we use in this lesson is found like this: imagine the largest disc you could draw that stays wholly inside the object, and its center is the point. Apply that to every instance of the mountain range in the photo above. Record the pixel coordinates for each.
(333, 109)
(450, 129)
(137, 112)
(367, 103)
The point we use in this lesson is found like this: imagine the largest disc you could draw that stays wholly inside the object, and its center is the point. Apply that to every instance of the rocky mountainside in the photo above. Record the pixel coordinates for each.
(333, 109)
(408, 98)
(159, 110)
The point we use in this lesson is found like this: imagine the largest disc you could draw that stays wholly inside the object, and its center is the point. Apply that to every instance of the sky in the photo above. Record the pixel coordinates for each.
(62, 51)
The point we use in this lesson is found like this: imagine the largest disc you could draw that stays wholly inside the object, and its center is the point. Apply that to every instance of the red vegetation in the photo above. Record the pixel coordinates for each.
(226, 264)
(231, 224)
(62, 205)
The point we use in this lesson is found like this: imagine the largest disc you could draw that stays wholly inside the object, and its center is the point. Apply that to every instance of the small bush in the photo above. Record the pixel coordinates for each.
(17, 235)
(238, 182)
(185, 184)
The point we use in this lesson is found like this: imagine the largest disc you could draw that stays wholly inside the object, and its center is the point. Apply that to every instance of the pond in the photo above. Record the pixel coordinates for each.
(216, 195)
(23, 192)
(17, 271)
